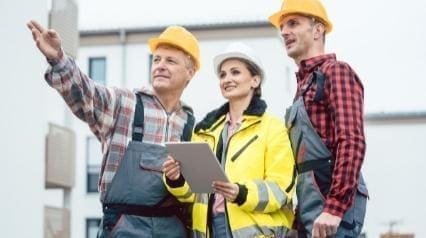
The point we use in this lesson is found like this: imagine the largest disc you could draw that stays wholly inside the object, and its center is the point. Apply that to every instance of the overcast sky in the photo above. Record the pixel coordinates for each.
(96, 14)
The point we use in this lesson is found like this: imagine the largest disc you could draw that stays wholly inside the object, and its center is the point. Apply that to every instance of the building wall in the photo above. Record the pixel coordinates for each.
(393, 168)
(27, 106)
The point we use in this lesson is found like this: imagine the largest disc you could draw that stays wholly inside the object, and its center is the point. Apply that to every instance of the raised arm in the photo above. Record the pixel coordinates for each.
(95, 104)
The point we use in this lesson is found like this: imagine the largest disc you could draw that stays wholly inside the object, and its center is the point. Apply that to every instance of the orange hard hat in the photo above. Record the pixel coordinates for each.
(181, 38)
(304, 7)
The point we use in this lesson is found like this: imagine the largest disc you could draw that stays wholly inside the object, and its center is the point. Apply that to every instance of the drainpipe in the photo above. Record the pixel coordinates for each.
(382, 117)
(122, 39)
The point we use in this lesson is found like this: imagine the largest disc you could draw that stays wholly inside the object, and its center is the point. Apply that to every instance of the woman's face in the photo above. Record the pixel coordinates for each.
(236, 81)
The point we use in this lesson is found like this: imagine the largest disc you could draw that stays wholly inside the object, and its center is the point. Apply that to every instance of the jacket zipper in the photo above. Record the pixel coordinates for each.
(214, 145)
(166, 136)
(166, 129)
(226, 152)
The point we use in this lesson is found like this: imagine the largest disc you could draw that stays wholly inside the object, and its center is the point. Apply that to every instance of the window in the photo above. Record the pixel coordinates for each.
(94, 160)
(92, 226)
(97, 69)
(150, 56)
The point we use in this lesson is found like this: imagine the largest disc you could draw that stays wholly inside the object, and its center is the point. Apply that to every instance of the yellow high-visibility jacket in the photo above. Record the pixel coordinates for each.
(259, 158)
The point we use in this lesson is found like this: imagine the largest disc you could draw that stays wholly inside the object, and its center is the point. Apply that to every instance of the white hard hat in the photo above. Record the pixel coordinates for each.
(238, 50)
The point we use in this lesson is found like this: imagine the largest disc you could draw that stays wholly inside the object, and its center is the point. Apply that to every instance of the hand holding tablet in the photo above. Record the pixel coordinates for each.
(198, 164)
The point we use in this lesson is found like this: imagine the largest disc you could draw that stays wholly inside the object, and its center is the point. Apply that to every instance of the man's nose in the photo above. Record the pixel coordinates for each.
(284, 31)
(160, 65)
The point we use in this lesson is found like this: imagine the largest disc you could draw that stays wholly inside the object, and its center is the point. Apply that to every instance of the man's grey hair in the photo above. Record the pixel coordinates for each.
(189, 60)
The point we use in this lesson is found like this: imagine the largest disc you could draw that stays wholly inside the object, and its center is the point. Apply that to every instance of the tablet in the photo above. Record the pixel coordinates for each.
(199, 165)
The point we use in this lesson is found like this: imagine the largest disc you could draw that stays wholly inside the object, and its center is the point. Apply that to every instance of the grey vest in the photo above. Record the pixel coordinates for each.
(137, 204)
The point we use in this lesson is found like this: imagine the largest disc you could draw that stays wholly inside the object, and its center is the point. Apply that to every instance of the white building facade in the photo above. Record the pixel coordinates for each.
(368, 38)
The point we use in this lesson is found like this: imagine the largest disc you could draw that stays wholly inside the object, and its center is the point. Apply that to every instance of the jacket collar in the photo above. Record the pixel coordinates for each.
(257, 107)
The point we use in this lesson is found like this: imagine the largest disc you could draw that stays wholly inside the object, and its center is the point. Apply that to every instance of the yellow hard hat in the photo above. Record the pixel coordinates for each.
(304, 7)
(181, 38)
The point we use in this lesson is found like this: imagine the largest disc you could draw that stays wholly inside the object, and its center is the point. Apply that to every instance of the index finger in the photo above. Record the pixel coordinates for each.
(315, 231)
(37, 26)
(168, 162)
(222, 184)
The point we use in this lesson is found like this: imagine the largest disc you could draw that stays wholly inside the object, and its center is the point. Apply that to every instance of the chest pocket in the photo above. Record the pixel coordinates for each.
(148, 180)
(244, 147)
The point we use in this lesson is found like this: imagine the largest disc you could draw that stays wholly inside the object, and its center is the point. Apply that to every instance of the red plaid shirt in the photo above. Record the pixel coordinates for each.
(338, 119)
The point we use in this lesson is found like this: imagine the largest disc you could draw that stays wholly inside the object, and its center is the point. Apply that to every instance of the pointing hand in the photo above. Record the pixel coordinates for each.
(47, 41)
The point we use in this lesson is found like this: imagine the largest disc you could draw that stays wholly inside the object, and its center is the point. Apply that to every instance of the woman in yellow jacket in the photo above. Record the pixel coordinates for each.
(254, 150)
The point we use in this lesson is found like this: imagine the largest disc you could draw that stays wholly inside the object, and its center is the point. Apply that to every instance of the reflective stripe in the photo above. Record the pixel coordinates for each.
(201, 198)
(185, 196)
(278, 193)
(263, 196)
(198, 234)
(261, 231)
(251, 231)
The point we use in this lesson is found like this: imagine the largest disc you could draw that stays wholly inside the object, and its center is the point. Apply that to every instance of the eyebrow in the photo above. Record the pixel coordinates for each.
(235, 67)
(165, 57)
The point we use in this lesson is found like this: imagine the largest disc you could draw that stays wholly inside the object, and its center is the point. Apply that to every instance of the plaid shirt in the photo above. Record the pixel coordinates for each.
(338, 119)
(109, 112)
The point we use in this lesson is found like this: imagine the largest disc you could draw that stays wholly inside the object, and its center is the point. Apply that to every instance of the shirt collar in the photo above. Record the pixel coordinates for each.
(309, 65)
(150, 92)
(145, 90)
(236, 123)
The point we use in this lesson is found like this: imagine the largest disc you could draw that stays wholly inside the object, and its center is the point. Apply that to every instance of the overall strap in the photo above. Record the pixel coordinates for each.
(319, 79)
(189, 125)
(318, 76)
(138, 121)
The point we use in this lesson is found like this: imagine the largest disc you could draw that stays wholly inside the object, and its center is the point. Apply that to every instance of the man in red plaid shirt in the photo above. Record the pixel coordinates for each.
(326, 126)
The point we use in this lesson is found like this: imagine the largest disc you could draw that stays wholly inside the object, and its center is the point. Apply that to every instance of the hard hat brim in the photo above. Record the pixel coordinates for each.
(219, 59)
(275, 19)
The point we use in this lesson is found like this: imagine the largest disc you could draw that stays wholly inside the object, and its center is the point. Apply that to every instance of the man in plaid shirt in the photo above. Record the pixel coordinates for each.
(326, 126)
(131, 125)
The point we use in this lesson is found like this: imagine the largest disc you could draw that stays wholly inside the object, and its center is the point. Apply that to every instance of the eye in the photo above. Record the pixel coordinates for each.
(235, 72)
(156, 59)
(292, 23)
(222, 75)
(171, 61)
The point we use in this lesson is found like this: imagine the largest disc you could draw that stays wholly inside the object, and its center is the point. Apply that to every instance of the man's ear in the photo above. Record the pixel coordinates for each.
(191, 73)
(319, 30)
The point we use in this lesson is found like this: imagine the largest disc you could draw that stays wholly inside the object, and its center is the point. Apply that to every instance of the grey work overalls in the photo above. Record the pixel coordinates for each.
(137, 204)
(315, 165)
